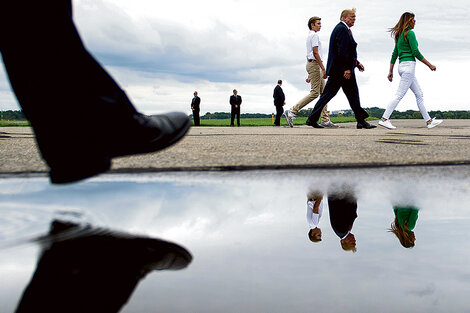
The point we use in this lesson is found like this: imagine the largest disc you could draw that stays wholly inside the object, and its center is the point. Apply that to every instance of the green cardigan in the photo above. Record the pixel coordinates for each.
(408, 214)
(406, 49)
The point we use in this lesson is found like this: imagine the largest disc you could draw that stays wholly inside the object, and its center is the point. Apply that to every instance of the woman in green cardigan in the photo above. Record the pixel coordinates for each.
(406, 49)
(404, 223)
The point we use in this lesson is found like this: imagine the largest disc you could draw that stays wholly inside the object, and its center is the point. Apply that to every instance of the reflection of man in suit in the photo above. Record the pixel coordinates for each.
(343, 211)
(196, 108)
(342, 60)
(279, 101)
(235, 102)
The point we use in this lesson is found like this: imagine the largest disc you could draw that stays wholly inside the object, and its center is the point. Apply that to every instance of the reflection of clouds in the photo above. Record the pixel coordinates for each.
(247, 232)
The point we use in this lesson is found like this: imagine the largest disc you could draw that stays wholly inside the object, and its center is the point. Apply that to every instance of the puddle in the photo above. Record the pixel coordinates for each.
(248, 234)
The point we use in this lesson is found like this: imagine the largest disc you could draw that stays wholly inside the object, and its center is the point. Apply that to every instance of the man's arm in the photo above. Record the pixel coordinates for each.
(319, 61)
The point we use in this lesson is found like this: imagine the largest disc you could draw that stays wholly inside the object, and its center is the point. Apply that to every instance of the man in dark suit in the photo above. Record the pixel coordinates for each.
(279, 101)
(343, 211)
(342, 60)
(235, 102)
(195, 108)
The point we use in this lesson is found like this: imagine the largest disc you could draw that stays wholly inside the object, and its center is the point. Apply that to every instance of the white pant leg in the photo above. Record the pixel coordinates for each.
(419, 99)
(406, 70)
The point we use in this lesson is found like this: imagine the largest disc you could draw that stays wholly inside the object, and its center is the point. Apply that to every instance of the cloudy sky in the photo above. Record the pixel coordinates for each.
(160, 52)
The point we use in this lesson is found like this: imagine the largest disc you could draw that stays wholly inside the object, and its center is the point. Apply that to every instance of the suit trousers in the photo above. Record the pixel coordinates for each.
(317, 84)
(235, 111)
(59, 85)
(279, 112)
(196, 118)
(351, 91)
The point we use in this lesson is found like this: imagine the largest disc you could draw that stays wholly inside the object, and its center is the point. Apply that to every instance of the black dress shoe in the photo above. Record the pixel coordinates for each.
(365, 125)
(313, 124)
(135, 135)
(150, 133)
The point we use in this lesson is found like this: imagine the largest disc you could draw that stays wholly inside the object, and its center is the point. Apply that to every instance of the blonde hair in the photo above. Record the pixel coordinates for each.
(346, 12)
(403, 26)
(404, 235)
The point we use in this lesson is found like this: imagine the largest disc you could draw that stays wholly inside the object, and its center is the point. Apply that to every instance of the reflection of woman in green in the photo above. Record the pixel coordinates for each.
(403, 225)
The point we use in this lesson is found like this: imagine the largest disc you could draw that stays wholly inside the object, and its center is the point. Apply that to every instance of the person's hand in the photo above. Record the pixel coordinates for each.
(347, 74)
(432, 67)
(324, 74)
(390, 76)
(360, 67)
(307, 80)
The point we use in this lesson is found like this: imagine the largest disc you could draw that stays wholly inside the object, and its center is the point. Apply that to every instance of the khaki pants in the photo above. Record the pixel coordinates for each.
(317, 84)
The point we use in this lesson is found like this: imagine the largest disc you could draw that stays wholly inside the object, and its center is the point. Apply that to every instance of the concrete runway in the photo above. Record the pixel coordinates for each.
(246, 148)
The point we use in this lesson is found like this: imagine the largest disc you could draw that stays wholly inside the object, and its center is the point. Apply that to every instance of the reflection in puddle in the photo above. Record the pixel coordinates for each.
(87, 269)
(246, 232)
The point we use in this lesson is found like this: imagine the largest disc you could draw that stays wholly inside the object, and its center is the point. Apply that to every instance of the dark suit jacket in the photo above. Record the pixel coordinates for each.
(343, 212)
(195, 103)
(278, 96)
(342, 54)
(235, 100)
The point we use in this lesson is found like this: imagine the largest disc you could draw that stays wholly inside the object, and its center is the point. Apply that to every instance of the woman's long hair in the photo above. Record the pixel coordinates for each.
(403, 26)
(404, 235)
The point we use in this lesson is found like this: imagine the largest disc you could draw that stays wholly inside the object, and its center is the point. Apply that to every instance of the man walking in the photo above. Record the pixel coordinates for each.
(235, 102)
(316, 74)
(195, 107)
(342, 60)
(279, 101)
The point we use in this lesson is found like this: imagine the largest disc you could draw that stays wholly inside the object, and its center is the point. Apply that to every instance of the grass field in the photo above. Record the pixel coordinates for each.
(270, 122)
(224, 122)
(4, 123)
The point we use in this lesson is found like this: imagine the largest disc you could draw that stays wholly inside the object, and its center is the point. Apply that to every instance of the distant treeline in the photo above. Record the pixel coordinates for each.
(373, 112)
(12, 115)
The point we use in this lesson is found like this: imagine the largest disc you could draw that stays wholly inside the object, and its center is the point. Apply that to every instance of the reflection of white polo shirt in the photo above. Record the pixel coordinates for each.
(313, 41)
(313, 219)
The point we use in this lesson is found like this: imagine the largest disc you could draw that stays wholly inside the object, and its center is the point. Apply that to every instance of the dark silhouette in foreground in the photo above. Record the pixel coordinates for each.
(80, 116)
(87, 269)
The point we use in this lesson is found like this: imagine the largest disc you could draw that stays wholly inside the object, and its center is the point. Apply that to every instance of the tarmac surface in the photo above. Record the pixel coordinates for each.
(255, 148)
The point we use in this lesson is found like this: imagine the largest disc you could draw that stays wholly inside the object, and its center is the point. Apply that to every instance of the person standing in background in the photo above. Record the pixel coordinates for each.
(195, 107)
(235, 102)
(279, 101)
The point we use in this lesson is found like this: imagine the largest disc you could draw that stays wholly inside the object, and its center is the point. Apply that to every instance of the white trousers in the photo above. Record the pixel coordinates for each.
(408, 80)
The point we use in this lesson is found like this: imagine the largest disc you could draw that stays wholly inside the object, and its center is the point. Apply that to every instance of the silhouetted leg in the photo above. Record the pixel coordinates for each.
(80, 116)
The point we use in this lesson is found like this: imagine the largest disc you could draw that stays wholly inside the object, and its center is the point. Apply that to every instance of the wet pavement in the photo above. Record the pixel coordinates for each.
(248, 234)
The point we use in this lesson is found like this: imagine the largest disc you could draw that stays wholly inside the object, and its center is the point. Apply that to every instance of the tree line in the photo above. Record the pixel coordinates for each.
(373, 112)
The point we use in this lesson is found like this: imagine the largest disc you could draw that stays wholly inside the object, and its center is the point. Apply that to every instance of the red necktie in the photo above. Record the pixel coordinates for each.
(350, 32)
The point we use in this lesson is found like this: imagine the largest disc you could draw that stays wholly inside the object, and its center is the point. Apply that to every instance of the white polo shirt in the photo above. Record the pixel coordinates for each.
(313, 219)
(313, 41)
